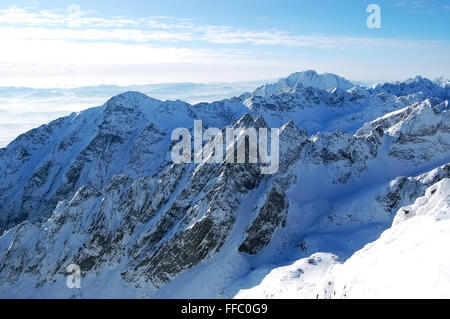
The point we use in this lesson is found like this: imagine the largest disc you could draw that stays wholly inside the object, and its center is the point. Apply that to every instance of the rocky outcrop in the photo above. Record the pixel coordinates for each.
(271, 216)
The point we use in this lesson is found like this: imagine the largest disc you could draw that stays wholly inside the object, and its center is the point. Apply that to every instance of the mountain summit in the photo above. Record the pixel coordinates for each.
(325, 81)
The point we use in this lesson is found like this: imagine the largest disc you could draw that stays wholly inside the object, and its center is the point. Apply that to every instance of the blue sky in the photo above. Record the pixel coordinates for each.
(51, 43)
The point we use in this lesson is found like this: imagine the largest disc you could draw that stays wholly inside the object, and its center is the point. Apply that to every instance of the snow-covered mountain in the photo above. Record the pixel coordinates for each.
(98, 189)
(22, 109)
(326, 81)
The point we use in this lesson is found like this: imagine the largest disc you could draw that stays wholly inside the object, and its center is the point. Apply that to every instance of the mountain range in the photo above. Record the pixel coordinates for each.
(362, 192)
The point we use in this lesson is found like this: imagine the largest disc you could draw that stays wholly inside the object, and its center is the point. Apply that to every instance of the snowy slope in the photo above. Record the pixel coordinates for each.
(409, 260)
(297, 281)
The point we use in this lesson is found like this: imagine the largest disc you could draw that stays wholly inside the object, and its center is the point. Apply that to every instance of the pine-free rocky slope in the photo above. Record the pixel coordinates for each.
(98, 189)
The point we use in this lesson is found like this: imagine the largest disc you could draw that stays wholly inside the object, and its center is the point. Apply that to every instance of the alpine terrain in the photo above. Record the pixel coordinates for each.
(359, 206)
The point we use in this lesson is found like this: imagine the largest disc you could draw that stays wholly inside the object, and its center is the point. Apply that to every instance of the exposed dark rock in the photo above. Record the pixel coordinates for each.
(272, 215)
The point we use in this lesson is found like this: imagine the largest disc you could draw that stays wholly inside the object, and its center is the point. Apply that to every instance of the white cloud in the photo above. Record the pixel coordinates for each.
(53, 26)
(42, 18)
(54, 52)
(422, 6)
(40, 49)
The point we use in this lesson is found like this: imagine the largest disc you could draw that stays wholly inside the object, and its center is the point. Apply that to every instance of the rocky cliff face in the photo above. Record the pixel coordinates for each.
(99, 189)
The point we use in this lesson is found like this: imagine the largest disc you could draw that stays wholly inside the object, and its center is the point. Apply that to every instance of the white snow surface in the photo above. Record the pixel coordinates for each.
(411, 259)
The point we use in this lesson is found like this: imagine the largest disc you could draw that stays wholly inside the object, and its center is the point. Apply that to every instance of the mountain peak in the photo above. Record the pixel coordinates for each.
(442, 82)
(419, 79)
(130, 100)
(308, 78)
(415, 85)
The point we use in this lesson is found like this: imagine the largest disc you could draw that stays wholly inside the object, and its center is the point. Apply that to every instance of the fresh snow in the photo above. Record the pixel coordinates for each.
(409, 260)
